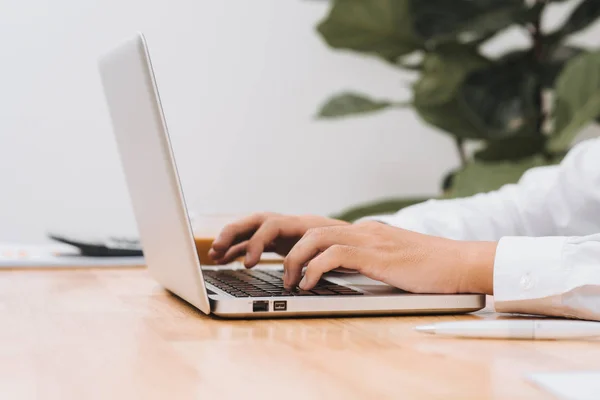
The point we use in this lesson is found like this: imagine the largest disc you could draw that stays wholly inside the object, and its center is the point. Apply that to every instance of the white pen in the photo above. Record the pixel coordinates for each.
(515, 329)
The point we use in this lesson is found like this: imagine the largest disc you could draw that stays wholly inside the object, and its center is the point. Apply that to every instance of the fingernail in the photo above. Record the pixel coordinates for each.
(247, 260)
(303, 283)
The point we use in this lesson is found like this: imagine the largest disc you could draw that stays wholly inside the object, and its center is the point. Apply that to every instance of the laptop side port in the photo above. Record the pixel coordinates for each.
(280, 305)
(260, 306)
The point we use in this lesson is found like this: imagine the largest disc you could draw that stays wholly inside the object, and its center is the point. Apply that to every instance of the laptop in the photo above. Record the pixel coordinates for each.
(166, 235)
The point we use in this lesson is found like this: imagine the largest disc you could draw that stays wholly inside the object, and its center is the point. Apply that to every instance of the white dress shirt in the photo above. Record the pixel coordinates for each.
(548, 228)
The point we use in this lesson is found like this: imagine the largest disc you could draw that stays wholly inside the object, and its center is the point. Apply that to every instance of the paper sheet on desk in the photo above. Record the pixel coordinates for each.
(571, 385)
(56, 255)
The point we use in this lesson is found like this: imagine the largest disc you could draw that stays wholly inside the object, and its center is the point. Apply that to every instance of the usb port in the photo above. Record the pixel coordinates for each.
(280, 305)
(260, 306)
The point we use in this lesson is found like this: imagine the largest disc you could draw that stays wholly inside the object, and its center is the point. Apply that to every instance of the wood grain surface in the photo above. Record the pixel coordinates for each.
(116, 334)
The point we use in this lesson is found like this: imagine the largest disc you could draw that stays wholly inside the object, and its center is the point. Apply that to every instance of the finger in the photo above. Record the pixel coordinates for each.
(336, 256)
(264, 236)
(312, 243)
(232, 253)
(237, 231)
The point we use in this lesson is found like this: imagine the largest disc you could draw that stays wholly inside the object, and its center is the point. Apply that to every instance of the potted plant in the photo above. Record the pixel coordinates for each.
(523, 107)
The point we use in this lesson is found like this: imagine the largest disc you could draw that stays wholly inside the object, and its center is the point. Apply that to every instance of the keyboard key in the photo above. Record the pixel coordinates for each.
(254, 283)
(325, 292)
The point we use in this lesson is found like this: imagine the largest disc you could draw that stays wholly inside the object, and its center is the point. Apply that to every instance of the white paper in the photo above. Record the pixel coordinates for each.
(571, 385)
(56, 255)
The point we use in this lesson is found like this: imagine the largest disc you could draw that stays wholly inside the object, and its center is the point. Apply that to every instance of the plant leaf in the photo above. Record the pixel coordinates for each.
(438, 21)
(380, 27)
(584, 15)
(435, 93)
(482, 177)
(555, 61)
(444, 70)
(349, 103)
(501, 99)
(412, 62)
(512, 149)
(577, 99)
(448, 118)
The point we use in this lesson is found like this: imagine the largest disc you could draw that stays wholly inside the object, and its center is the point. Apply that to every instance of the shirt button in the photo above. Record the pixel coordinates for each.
(526, 282)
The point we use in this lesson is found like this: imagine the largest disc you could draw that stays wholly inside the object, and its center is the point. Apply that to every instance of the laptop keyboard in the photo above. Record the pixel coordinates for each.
(255, 283)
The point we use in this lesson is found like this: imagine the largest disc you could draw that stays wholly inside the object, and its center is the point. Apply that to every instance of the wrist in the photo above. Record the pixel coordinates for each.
(478, 267)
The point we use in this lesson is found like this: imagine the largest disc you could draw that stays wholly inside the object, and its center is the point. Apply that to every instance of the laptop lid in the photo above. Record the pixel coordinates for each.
(150, 171)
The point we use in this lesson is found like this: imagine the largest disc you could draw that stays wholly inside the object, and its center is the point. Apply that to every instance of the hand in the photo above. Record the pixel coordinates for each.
(264, 232)
(407, 260)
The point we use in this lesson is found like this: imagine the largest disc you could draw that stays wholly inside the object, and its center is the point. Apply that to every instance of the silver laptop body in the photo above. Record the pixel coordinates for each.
(165, 230)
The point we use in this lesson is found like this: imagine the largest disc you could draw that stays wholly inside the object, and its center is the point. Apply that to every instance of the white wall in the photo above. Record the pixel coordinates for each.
(240, 81)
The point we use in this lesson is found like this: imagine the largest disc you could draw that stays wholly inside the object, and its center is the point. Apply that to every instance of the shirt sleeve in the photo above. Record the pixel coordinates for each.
(558, 276)
(548, 256)
(561, 200)
(512, 210)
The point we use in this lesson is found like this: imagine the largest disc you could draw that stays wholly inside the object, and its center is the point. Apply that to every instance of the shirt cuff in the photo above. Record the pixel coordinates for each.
(528, 268)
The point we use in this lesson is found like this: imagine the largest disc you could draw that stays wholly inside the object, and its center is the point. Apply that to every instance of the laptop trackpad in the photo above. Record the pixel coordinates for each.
(363, 283)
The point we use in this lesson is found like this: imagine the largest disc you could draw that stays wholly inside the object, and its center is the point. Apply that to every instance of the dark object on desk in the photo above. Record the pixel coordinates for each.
(108, 247)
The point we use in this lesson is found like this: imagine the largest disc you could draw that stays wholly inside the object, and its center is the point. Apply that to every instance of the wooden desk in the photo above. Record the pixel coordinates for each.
(112, 334)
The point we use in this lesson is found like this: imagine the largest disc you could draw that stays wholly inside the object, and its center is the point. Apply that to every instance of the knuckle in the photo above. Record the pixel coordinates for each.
(338, 250)
(290, 261)
(229, 230)
(269, 215)
(258, 217)
(316, 267)
(321, 231)
(230, 226)
(269, 224)
(314, 272)
(369, 224)
(314, 232)
(261, 216)
(268, 228)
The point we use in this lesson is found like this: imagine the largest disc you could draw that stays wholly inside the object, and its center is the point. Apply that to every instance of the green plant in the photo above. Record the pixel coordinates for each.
(524, 107)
